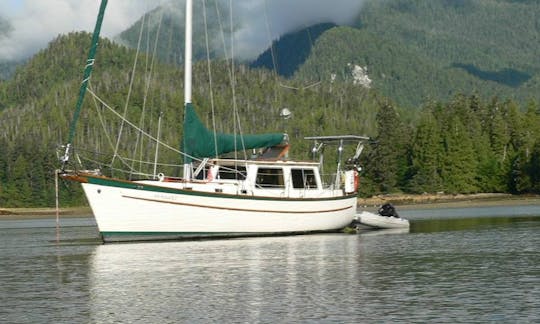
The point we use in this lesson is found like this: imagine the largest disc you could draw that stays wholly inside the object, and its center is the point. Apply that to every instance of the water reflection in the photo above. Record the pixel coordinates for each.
(460, 224)
(444, 270)
(264, 279)
(471, 212)
(426, 275)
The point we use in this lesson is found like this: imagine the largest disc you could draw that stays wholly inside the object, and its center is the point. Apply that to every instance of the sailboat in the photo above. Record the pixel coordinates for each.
(268, 194)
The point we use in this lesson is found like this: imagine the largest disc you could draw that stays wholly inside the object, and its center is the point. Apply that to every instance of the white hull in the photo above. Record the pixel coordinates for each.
(128, 214)
(267, 194)
(378, 221)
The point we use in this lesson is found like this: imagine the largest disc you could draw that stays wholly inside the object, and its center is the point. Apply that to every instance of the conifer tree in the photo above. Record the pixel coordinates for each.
(459, 163)
(389, 160)
(426, 155)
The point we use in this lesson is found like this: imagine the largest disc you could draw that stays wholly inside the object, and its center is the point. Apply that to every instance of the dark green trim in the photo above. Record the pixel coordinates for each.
(178, 236)
(171, 233)
(109, 182)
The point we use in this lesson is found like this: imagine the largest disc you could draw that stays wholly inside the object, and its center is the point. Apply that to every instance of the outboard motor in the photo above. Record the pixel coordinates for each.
(388, 210)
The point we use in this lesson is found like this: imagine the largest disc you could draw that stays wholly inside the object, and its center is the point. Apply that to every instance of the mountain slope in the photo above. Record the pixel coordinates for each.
(166, 25)
(491, 34)
(398, 71)
(496, 42)
(290, 51)
(37, 105)
(419, 49)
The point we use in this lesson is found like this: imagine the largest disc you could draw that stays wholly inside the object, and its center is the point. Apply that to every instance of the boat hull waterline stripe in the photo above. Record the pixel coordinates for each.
(167, 235)
(240, 209)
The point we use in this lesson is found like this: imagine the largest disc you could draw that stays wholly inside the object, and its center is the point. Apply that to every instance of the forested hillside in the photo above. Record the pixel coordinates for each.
(397, 71)
(291, 51)
(415, 50)
(161, 31)
(444, 117)
(467, 145)
(494, 41)
(39, 102)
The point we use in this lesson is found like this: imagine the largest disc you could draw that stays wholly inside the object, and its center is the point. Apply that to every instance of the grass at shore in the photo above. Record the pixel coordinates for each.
(44, 212)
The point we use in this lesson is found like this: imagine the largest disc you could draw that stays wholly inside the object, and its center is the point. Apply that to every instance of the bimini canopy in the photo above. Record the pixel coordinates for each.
(198, 141)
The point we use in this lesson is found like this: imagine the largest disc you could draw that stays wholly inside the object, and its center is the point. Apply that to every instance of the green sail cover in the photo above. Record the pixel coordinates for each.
(198, 141)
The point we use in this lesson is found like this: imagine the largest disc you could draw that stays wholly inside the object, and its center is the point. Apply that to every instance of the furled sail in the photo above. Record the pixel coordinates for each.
(198, 141)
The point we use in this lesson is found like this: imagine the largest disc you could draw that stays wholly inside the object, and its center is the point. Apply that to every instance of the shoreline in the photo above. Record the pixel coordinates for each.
(430, 201)
(400, 201)
(44, 212)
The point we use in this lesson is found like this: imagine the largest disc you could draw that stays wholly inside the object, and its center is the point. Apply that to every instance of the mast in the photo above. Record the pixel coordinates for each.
(188, 52)
(84, 84)
(188, 73)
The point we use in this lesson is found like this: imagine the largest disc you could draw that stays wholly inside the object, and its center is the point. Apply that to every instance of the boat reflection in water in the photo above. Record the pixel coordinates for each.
(235, 280)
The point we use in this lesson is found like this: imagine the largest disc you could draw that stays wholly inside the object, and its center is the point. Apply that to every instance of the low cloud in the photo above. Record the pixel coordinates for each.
(265, 20)
(34, 23)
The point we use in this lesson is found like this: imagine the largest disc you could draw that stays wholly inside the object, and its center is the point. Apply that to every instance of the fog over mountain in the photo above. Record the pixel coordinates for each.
(34, 23)
(265, 20)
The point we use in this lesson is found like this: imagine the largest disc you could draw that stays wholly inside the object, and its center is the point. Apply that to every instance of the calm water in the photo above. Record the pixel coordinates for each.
(455, 265)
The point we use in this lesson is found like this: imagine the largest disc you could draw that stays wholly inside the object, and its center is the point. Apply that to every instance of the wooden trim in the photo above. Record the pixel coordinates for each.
(238, 209)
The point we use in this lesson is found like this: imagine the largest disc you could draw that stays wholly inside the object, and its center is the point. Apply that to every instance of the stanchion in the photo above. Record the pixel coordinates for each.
(56, 172)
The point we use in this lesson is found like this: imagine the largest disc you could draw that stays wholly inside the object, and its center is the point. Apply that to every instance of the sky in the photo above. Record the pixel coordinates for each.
(34, 23)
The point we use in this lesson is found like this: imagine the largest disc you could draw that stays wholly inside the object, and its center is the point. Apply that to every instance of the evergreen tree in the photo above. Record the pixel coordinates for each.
(388, 162)
(426, 155)
(534, 168)
(459, 164)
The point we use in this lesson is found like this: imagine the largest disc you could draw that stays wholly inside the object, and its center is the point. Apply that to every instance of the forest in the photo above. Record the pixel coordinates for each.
(423, 50)
(468, 144)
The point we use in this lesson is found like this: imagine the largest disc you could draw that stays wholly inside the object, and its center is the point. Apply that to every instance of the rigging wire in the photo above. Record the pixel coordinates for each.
(230, 67)
(150, 72)
(105, 131)
(146, 69)
(233, 81)
(212, 105)
(233, 85)
(269, 34)
(132, 78)
(274, 55)
(126, 121)
(148, 82)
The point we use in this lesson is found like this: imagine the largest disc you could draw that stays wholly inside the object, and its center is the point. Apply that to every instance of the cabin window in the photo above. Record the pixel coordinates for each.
(303, 179)
(270, 178)
(232, 172)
